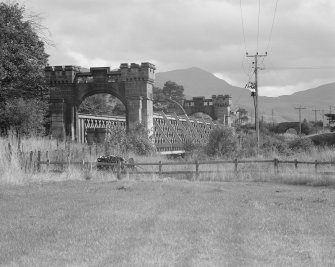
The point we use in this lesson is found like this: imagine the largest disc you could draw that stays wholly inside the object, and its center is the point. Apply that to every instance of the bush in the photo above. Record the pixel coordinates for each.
(137, 141)
(248, 145)
(222, 142)
(301, 144)
(25, 117)
(275, 144)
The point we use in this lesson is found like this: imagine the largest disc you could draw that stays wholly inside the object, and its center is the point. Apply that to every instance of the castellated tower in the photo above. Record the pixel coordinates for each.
(139, 80)
(70, 85)
(222, 104)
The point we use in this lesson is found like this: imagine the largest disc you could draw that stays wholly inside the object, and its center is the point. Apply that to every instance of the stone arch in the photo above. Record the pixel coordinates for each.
(292, 131)
(104, 91)
(284, 126)
(131, 84)
(204, 112)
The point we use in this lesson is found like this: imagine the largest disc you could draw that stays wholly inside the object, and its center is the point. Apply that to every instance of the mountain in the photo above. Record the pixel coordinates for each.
(198, 82)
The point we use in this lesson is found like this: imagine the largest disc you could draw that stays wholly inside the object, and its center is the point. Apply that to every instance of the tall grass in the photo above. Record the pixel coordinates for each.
(16, 168)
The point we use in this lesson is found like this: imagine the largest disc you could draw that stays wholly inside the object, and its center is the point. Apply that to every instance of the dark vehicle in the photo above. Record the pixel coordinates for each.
(115, 163)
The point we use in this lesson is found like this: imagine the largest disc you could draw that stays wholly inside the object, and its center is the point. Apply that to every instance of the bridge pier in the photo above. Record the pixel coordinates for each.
(70, 85)
(57, 110)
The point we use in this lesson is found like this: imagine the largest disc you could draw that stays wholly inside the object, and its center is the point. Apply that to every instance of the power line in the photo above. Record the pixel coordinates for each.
(303, 68)
(242, 21)
(259, 11)
(273, 21)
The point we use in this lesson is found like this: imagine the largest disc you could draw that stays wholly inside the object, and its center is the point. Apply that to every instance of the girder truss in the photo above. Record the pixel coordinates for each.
(170, 131)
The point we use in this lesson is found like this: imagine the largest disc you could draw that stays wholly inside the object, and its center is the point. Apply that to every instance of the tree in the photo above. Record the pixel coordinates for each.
(22, 55)
(22, 62)
(26, 117)
(222, 142)
(174, 91)
(102, 104)
(162, 97)
(242, 116)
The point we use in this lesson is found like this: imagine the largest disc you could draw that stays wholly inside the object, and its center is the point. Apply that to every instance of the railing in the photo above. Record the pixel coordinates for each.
(131, 168)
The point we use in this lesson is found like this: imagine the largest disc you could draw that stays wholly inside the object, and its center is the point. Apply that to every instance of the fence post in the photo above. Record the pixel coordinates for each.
(62, 160)
(275, 162)
(316, 166)
(48, 160)
(30, 159)
(160, 169)
(196, 169)
(9, 152)
(118, 175)
(235, 163)
(38, 160)
(296, 163)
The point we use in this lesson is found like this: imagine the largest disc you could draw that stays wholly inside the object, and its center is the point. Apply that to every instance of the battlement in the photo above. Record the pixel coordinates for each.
(136, 72)
(75, 74)
(61, 74)
(222, 100)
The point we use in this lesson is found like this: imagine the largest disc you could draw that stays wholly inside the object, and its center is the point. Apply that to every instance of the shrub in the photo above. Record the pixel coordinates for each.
(275, 144)
(140, 141)
(137, 141)
(222, 142)
(301, 144)
(25, 117)
(248, 145)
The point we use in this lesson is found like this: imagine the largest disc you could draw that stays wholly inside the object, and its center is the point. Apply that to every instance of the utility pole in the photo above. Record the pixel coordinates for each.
(323, 120)
(315, 111)
(256, 56)
(300, 108)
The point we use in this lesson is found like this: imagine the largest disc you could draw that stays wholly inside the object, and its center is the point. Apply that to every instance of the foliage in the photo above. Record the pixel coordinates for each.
(22, 62)
(26, 117)
(102, 104)
(189, 145)
(222, 142)
(164, 99)
(22, 56)
(274, 143)
(174, 91)
(137, 141)
(242, 116)
(306, 127)
(140, 141)
(301, 144)
(248, 145)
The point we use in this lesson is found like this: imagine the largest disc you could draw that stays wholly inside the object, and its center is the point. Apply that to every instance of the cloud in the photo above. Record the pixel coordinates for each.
(208, 34)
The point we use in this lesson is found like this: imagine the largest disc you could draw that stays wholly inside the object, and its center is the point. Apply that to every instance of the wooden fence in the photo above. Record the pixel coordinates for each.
(59, 160)
(159, 168)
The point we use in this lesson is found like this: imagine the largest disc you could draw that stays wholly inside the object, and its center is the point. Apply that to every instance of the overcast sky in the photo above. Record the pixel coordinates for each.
(178, 34)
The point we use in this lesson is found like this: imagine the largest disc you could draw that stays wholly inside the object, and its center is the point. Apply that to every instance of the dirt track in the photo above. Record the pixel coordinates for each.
(166, 224)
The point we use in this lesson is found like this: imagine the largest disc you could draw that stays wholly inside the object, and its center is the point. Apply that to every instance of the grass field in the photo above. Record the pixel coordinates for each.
(166, 223)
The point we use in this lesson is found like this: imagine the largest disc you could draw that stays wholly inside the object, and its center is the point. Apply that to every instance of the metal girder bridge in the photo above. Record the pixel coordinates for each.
(170, 132)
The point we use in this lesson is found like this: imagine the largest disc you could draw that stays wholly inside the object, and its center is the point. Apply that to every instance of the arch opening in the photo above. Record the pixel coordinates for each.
(96, 113)
(202, 115)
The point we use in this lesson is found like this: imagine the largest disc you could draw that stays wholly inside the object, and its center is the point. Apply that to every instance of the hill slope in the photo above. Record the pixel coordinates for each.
(198, 82)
